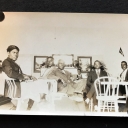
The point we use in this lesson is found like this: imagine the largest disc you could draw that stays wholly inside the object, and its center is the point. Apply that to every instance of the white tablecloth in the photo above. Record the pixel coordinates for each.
(35, 88)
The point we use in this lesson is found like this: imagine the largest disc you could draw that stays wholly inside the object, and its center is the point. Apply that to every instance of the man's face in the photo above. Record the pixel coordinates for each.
(13, 54)
(61, 65)
(97, 65)
(50, 62)
(123, 66)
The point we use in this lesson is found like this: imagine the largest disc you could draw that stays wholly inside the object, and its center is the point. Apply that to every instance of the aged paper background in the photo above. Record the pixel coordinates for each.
(81, 34)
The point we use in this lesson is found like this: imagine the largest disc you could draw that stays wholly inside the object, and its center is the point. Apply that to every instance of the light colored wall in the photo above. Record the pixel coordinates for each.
(96, 35)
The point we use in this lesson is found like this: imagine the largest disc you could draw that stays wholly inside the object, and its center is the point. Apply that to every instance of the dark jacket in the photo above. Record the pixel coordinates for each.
(12, 70)
(126, 77)
(93, 76)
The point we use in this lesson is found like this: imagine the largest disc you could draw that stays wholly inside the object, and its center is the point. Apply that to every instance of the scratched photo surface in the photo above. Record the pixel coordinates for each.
(45, 77)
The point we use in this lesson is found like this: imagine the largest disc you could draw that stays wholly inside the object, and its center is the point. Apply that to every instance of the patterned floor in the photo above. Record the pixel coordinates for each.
(64, 105)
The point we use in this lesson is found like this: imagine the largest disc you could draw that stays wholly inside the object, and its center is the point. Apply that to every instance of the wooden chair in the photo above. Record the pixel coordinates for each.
(91, 105)
(107, 89)
(12, 89)
(33, 89)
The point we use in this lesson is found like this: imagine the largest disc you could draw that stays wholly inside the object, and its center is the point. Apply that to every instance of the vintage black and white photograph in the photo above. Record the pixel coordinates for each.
(64, 64)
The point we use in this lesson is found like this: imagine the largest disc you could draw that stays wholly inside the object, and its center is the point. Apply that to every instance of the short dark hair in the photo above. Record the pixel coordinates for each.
(124, 62)
(11, 47)
(97, 61)
(50, 57)
(101, 67)
(79, 68)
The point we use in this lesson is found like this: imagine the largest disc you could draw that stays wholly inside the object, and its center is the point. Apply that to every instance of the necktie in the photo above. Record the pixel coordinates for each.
(63, 71)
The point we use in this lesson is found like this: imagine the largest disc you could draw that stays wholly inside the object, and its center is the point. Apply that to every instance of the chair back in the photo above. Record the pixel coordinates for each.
(11, 85)
(106, 86)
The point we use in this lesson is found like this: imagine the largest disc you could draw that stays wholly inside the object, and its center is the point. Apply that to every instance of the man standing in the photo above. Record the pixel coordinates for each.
(123, 77)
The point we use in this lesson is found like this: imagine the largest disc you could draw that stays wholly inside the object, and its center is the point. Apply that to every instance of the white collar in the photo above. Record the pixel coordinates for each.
(123, 74)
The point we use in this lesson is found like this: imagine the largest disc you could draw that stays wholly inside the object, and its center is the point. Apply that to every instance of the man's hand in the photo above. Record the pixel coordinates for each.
(33, 78)
(26, 77)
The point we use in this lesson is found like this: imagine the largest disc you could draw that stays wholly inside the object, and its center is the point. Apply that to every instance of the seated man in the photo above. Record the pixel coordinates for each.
(65, 84)
(13, 70)
(93, 75)
(49, 66)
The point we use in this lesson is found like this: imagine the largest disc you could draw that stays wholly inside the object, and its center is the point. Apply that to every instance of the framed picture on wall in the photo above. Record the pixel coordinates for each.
(84, 63)
(39, 62)
(68, 59)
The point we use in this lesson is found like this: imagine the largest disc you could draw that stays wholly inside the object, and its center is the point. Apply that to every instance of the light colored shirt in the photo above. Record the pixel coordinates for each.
(97, 72)
(63, 71)
(123, 75)
(46, 71)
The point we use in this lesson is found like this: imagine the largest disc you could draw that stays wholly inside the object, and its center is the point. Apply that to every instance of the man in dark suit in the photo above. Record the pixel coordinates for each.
(98, 71)
(65, 83)
(14, 71)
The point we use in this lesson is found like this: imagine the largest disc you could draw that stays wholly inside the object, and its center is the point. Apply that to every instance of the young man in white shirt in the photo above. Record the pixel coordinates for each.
(123, 77)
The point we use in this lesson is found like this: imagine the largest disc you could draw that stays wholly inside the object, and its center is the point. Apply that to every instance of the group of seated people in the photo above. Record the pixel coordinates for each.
(77, 88)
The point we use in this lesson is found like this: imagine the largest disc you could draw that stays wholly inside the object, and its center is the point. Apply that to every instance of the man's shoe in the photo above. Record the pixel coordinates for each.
(87, 100)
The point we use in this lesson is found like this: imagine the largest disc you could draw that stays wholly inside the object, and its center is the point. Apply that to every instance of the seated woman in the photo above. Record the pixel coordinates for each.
(13, 70)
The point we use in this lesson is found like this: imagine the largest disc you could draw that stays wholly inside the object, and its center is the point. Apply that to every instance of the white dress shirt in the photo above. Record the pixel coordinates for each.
(63, 71)
(97, 72)
(123, 75)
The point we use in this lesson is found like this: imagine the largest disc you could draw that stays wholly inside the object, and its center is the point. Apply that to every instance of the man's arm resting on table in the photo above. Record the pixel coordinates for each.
(11, 73)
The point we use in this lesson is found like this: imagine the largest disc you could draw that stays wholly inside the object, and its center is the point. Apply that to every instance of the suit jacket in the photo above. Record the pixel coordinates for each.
(58, 74)
(11, 69)
(93, 76)
(126, 76)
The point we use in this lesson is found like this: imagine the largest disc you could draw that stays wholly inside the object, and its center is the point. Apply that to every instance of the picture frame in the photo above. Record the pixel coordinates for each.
(39, 62)
(85, 62)
(68, 59)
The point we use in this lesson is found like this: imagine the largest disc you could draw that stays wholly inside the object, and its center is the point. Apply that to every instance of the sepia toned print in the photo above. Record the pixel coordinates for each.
(63, 64)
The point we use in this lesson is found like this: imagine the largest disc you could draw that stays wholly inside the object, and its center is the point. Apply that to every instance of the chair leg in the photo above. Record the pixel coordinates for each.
(99, 102)
(91, 104)
(103, 106)
(116, 106)
(18, 104)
